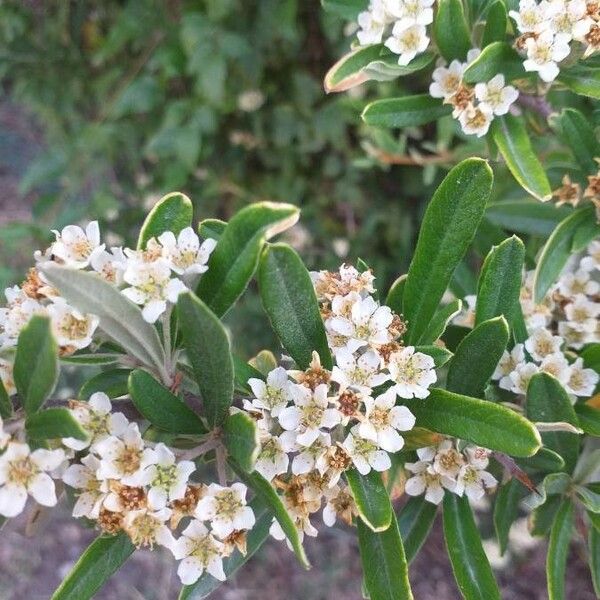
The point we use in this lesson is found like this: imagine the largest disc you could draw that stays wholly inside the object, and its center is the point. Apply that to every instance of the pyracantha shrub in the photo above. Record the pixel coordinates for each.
(176, 442)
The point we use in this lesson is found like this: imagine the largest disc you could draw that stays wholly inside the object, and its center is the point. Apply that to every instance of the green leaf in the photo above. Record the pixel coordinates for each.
(438, 323)
(543, 516)
(384, 564)
(371, 497)
(526, 216)
(476, 357)
(348, 71)
(556, 561)
(591, 357)
(162, 408)
(240, 436)
(387, 67)
(395, 295)
(510, 135)
(500, 281)
(408, 111)
(557, 251)
(53, 423)
(212, 228)
(588, 418)
(265, 491)
(451, 31)
(506, 510)
(289, 300)
(235, 257)
(439, 354)
(581, 80)
(544, 460)
(498, 57)
(114, 383)
(103, 557)
(448, 228)
(36, 363)
(255, 539)
(589, 498)
(172, 212)
(347, 9)
(100, 359)
(415, 521)
(470, 565)
(584, 234)
(594, 552)
(576, 131)
(495, 24)
(119, 318)
(481, 422)
(6, 407)
(207, 347)
(547, 402)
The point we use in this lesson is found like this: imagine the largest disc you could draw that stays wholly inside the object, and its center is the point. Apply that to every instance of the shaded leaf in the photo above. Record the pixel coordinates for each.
(415, 521)
(556, 561)
(53, 423)
(114, 383)
(408, 111)
(371, 497)
(240, 436)
(172, 212)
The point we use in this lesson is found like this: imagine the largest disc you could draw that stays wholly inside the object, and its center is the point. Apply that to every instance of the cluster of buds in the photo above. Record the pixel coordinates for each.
(548, 30)
(401, 23)
(448, 468)
(316, 424)
(474, 106)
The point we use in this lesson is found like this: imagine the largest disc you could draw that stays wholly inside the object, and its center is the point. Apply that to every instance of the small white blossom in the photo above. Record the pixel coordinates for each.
(365, 454)
(448, 460)
(272, 459)
(446, 80)
(475, 120)
(542, 343)
(582, 382)
(361, 374)
(184, 253)
(496, 95)
(408, 42)
(71, 328)
(411, 12)
(76, 247)
(543, 54)
(274, 395)
(521, 375)
(531, 17)
(425, 479)
(568, 19)
(557, 366)
(306, 460)
(473, 479)
(591, 262)
(147, 527)
(412, 372)
(16, 315)
(507, 364)
(110, 265)
(92, 491)
(372, 23)
(583, 313)
(579, 282)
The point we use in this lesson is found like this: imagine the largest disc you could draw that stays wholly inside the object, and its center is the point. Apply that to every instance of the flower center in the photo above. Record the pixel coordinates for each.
(227, 504)
(21, 471)
(73, 328)
(143, 530)
(380, 418)
(166, 477)
(129, 460)
(205, 549)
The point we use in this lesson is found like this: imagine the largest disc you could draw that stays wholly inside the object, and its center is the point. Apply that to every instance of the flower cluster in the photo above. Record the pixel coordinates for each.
(474, 107)
(566, 319)
(570, 191)
(447, 468)
(548, 30)
(316, 424)
(402, 23)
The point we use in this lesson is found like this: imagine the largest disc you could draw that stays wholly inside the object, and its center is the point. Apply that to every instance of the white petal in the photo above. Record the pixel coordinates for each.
(41, 487)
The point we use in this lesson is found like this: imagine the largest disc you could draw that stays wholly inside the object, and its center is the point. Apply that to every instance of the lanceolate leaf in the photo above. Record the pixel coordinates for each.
(290, 301)
(240, 436)
(557, 251)
(384, 563)
(119, 318)
(235, 258)
(408, 111)
(500, 281)
(449, 226)
(547, 402)
(511, 137)
(556, 562)
(476, 357)
(498, 57)
(172, 212)
(104, 556)
(580, 137)
(451, 31)
(415, 521)
(439, 321)
(526, 216)
(112, 382)
(53, 423)
(478, 421)
(506, 510)
(582, 80)
(495, 24)
(162, 408)
(36, 363)
(439, 354)
(371, 497)
(207, 347)
(256, 538)
(471, 567)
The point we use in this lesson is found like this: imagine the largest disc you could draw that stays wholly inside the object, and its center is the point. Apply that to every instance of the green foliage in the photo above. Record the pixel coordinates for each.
(240, 436)
(53, 423)
(371, 497)
(173, 213)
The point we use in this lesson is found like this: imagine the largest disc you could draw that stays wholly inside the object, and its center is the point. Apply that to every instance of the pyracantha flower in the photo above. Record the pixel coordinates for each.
(92, 491)
(412, 372)
(496, 95)
(76, 247)
(521, 376)
(448, 460)
(582, 382)
(306, 459)
(473, 479)
(372, 23)
(543, 53)
(362, 373)
(340, 503)
(542, 343)
(557, 366)
(147, 527)
(592, 261)
(185, 254)
(365, 454)
(579, 282)
(274, 395)
(446, 80)
(507, 364)
(412, 12)
(110, 265)
(425, 479)
(530, 18)
(272, 459)
(72, 329)
(475, 120)
(583, 313)
(408, 42)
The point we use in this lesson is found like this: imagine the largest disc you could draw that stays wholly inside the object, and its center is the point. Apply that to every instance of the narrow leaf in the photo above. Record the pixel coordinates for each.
(438, 323)
(53, 423)
(415, 521)
(498, 57)
(594, 552)
(576, 131)
(526, 216)
(582, 80)
(240, 436)
(451, 31)
(6, 407)
(556, 561)
(172, 212)
(395, 295)
(495, 24)
(371, 497)
(112, 382)
(408, 111)
(506, 510)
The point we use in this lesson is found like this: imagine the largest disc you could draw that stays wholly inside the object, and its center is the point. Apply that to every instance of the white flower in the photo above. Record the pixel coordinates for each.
(383, 420)
(275, 394)
(568, 19)
(372, 24)
(310, 412)
(362, 374)
(147, 527)
(225, 508)
(542, 343)
(6, 377)
(412, 372)
(507, 364)
(166, 478)
(411, 12)
(425, 479)
(339, 502)
(448, 460)
(475, 120)
(557, 366)
(446, 80)
(582, 382)
(543, 54)
(198, 551)
(16, 315)
(521, 375)
(367, 324)
(495, 95)
(272, 459)
(573, 336)
(583, 314)
(185, 254)
(25, 472)
(96, 418)
(4, 436)
(124, 459)
(530, 17)
(151, 286)
(305, 461)
(592, 261)
(579, 282)
(71, 328)
(92, 490)
(408, 42)
(473, 479)
(365, 454)
(75, 247)
(110, 265)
